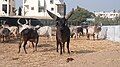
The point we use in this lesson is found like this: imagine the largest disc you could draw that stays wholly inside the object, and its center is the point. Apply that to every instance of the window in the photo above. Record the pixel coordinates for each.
(60, 9)
(111, 14)
(25, 1)
(4, 8)
(51, 1)
(52, 9)
(4, 0)
(13, 9)
(9, 9)
(32, 8)
(41, 9)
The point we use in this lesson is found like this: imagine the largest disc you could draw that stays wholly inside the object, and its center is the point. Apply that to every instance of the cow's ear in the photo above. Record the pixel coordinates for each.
(69, 14)
(52, 15)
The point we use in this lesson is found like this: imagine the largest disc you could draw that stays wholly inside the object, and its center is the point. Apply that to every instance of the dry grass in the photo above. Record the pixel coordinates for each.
(86, 53)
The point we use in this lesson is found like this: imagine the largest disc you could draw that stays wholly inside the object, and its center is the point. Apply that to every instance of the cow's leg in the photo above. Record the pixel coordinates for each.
(50, 37)
(33, 46)
(74, 35)
(77, 35)
(93, 36)
(19, 47)
(25, 42)
(3, 38)
(8, 38)
(97, 36)
(0, 38)
(68, 46)
(64, 47)
(57, 46)
(47, 38)
(82, 33)
(36, 43)
(61, 45)
(88, 36)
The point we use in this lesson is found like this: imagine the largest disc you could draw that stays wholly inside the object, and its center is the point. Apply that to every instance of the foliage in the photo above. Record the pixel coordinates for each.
(108, 21)
(80, 15)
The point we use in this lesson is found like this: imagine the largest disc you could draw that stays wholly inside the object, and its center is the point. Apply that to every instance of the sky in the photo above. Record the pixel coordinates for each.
(91, 5)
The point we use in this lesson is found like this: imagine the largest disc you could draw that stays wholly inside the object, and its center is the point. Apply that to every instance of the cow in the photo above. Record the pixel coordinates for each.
(93, 30)
(76, 32)
(13, 29)
(62, 32)
(28, 34)
(45, 31)
(5, 34)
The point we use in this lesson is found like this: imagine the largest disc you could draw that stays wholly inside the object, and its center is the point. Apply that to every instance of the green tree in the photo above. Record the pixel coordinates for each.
(80, 15)
(107, 21)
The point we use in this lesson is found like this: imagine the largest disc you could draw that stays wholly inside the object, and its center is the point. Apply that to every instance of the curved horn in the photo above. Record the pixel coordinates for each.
(69, 14)
(26, 22)
(101, 24)
(30, 22)
(18, 21)
(55, 17)
(4, 22)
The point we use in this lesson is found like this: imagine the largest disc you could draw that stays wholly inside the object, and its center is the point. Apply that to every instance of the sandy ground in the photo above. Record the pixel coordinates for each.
(86, 53)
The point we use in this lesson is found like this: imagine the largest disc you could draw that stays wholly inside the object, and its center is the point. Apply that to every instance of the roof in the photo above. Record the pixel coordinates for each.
(34, 17)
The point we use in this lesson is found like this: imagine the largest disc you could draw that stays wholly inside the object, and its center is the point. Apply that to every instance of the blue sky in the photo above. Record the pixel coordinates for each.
(91, 5)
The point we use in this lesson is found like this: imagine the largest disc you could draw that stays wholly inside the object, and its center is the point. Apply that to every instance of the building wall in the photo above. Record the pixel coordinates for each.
(12, 11)
(10, 5)
(31, 8)
(107, 14)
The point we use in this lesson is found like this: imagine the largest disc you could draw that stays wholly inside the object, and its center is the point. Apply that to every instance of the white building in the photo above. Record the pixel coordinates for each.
(38, 7)
(112, 14)
(7, 7)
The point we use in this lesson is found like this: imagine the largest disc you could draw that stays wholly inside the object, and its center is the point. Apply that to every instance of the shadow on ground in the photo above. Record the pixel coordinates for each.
(83, 51)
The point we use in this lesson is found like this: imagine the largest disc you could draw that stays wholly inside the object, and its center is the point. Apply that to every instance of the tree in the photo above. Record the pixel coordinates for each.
(80, 15)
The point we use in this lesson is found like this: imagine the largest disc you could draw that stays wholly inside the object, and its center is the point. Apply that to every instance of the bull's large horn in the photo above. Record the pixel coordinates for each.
(26, 22)
(101, 24)
(55, 17)
(18, 21)
(4, 22)
(30, 22)
(69, 14)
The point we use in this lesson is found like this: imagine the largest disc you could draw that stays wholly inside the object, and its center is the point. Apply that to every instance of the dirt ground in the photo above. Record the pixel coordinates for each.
(85, 53)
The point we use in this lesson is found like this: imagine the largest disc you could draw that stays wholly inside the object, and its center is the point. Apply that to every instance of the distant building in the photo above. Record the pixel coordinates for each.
(38, 7)
(7, 7)
(103, 14)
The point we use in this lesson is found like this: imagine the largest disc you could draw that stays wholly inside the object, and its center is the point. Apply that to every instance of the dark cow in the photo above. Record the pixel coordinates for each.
(5, 34)
(28, 34)
(62, 32)
(77, 31)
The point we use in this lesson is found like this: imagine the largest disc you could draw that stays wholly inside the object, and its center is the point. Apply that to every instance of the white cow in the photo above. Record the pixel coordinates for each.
(94, 31)
(45, 31)
(13, 29)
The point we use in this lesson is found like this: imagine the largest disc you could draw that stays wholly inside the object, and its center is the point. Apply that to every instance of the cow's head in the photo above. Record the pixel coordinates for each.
(61, 22)
(23, 26)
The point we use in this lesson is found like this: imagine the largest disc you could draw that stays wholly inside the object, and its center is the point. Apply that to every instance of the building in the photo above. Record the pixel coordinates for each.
(111, 14)
(38, 7)
(7, 7)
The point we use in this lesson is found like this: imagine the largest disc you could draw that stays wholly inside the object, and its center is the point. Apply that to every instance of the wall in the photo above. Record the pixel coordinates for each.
(110, 33)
